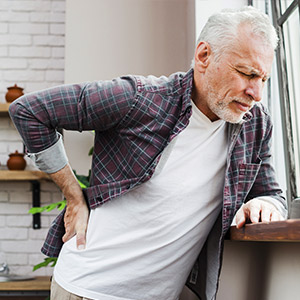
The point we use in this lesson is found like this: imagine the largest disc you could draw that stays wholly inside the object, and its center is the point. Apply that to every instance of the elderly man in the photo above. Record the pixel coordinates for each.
(174, 160)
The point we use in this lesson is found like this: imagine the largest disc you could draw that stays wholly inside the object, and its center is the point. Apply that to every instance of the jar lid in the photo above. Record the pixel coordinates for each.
(16, 153)
(15, 87)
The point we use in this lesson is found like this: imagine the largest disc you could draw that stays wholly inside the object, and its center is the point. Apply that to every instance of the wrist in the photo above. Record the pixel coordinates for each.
(68, 184)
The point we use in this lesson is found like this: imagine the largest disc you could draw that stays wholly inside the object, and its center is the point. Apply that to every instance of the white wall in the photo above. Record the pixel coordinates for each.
(116, 37)
(109, 38)
(205, 8)
(260, 271)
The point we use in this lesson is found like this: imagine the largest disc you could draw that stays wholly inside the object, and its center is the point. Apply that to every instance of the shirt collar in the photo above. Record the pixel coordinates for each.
(187, 85)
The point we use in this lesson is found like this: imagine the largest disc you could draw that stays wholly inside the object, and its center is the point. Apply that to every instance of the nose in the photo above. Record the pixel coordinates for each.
(254, 90)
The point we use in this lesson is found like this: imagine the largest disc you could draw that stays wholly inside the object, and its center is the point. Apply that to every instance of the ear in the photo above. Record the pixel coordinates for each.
(202, 56)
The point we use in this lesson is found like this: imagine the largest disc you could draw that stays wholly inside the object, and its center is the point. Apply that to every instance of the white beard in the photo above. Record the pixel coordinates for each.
(222, 109)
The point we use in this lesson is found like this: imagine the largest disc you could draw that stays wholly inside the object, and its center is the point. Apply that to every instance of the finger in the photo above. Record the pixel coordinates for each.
(80, 240)
(240, 218)
(254, 213)
(276, 216)
(266, 215)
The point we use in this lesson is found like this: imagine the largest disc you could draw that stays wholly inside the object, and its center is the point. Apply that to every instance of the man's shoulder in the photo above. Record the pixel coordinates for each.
(164, 84)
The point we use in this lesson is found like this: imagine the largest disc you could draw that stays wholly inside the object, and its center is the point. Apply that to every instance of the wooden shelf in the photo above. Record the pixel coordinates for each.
(280, 231)
(8, 175)
(40, 283)
(33, 176)
(4, 109)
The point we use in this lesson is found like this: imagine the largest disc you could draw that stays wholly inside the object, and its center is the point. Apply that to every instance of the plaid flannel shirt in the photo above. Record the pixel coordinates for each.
(134, 119)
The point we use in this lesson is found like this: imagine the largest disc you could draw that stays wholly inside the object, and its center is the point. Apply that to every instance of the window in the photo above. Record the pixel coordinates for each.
(286, 20)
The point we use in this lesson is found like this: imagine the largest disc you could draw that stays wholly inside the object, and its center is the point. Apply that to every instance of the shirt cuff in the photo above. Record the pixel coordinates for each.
(276, 203)
(51, 159)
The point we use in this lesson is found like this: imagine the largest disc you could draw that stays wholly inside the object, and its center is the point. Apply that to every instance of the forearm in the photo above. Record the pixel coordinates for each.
(266, 187)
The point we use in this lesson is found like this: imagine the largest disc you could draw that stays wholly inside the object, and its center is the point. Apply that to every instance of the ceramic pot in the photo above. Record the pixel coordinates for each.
(16, 161)
(13, 93)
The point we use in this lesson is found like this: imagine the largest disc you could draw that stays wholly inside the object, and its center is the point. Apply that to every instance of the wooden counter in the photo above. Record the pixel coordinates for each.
(281, 231)
(35, 289)
(39, 283)
(4, 109)
(24, 175)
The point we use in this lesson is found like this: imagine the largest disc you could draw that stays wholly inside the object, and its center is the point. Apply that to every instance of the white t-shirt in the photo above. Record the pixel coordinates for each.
(143, 245)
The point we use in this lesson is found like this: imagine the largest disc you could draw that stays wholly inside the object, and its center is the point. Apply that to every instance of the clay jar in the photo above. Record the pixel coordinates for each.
(13, 93)
(16, 161)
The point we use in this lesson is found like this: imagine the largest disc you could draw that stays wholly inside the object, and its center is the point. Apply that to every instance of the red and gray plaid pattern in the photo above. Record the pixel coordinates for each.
(134, 119)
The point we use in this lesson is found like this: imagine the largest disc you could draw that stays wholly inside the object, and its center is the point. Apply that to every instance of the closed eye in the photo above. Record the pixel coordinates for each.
(252, 76)
(247, 75)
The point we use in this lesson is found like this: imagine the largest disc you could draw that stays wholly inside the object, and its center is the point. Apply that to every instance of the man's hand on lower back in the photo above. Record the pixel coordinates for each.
(256, 211)
(77, 213)
(76, 219)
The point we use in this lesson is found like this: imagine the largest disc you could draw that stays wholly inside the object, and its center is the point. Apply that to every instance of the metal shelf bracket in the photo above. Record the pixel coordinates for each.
(36, 202)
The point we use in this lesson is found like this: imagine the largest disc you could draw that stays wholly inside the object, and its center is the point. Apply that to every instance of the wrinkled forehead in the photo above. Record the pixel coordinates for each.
(251, 51)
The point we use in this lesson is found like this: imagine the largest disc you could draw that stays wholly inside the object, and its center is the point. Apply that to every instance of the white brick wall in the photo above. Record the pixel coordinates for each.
(31, 40)
(32, 56)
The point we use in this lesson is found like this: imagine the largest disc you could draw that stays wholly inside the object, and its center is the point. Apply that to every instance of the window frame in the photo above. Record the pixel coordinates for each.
(279, 19)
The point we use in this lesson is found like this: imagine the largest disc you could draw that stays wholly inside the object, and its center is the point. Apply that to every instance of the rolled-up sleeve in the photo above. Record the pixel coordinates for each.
(278, 204)
(51, 159)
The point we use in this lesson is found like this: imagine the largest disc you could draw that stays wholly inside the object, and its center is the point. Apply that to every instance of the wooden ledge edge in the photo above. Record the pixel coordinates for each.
(8, 175)
(279, 231)
(39, 283)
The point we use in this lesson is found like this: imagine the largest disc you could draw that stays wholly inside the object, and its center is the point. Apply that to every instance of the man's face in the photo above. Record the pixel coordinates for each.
(235, 82)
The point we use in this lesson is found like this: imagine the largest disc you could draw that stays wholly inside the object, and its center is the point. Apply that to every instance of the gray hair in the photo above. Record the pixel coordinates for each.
(222, 28)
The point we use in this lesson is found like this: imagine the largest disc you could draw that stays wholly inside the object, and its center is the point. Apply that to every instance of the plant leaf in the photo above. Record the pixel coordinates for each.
(82, 185)
(59, 205)
(45, 263)
(91, 151)
(62, 205)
